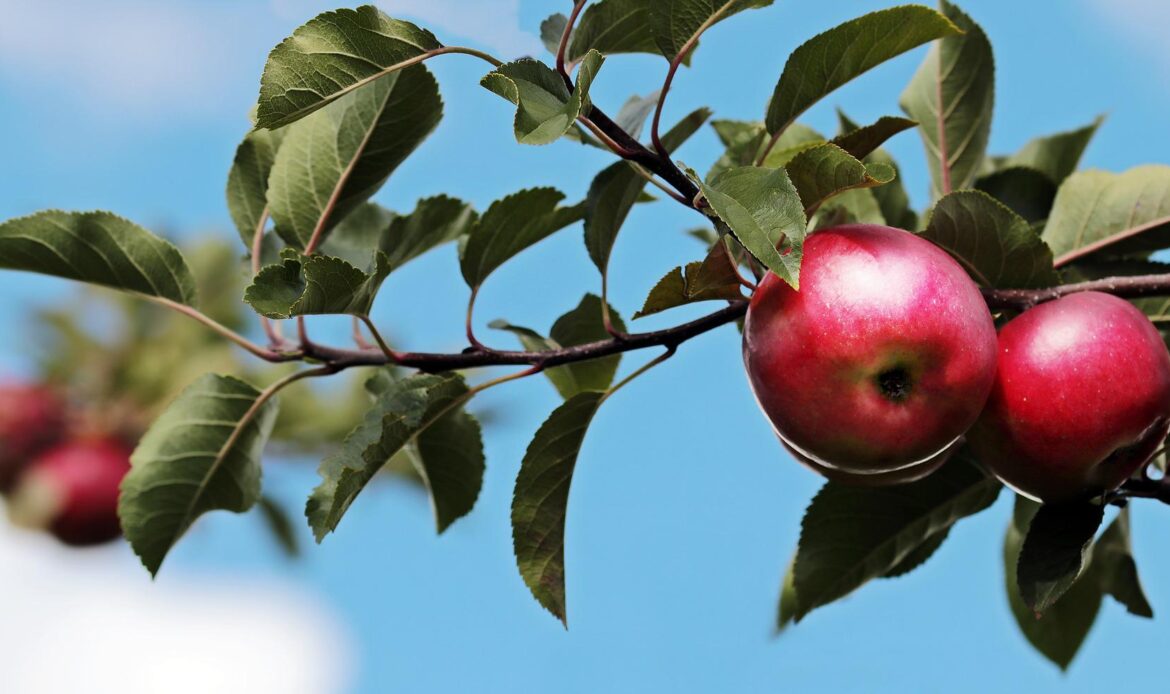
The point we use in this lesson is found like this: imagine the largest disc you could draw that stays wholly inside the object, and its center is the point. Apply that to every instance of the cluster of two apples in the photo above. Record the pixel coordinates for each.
(54, 476)
(887, 358)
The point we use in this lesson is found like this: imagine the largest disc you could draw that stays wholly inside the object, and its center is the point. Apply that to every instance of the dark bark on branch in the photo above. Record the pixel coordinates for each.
(1127, 287)
(669, 338)
(1124, 287)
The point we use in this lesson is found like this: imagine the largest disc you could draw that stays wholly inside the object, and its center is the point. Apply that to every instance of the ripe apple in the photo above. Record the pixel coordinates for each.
(32, 417)
(1081, 399)
(881, 360)
(72, 490)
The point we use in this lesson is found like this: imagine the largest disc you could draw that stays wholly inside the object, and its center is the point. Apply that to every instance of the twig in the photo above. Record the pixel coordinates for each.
(564, 45)
(1124, 287)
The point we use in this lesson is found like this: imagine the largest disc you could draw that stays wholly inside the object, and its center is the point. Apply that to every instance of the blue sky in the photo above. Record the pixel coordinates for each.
(684, 509)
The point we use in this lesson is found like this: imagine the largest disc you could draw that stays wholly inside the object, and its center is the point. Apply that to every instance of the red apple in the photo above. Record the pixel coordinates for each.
(32, 417)
(881, 360)
(1081, 399)
(72, 490)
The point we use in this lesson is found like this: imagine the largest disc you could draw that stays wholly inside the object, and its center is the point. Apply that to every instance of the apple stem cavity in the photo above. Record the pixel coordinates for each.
(895, 384)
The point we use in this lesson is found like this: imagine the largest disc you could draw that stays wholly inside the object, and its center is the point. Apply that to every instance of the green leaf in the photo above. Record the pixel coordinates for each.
(952, 96)
(545, 108)
(786, 613)
(1114, 567)
(331, 56)
(712, 279)
(829, 60)
(632, 115)
(745, 142)
(201, 454)
(247, 186)
(404, 409)
(511, 225)
(541, 498)
(371, 228)
(919, 556)
(996, 246)
(1055, 551)
(892, 200)
(357, 238)
(1059, 633)
(617, 188)
(551, 31)
(451, 463)
(278, 522)
(614, 26)
(315, 285)
(334, 160)
(580, 326)
(1100, 214)
(857, 206)
(861, 142)
(98, 248)
(762, 208)
(827, 170)
(892, 203)
(1028, 192)
(850, 535)
(1057, 155)
(676, 22)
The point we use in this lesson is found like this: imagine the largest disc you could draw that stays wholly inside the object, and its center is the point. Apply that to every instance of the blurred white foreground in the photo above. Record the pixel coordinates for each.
(92, 621)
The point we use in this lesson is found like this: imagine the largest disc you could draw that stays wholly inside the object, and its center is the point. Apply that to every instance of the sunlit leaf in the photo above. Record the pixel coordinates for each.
(676, 22)
(1099, 214)
(762, 208)
(829, 60)
(613, 26)
(334, 160)
(97, 248)
(331, 56)
(821, 172)
(952, 97)
(545, 108)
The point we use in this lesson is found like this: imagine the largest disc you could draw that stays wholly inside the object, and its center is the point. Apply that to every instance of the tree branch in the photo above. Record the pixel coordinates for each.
(1142, 488)
(1125, 287)
(564, 45)
(472, 358)
(639, 154)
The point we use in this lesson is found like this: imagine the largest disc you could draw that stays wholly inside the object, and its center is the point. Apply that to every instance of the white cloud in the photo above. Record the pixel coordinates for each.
(494, 25)
(87, 621)
(136, 56)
